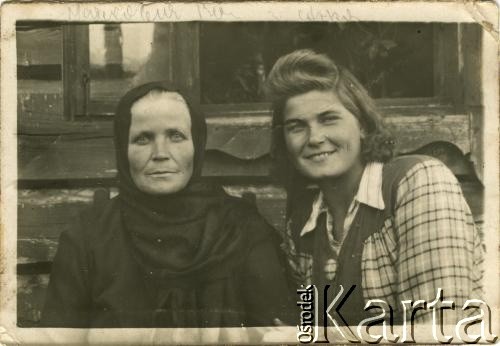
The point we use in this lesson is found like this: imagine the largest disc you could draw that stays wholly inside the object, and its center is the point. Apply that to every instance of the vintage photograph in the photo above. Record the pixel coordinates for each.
(236, 179)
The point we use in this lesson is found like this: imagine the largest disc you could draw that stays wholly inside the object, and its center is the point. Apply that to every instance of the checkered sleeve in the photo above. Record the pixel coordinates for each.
(439, 246)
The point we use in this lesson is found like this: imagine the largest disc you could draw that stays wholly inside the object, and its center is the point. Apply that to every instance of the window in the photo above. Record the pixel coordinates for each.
(423, 75)
(236, 57)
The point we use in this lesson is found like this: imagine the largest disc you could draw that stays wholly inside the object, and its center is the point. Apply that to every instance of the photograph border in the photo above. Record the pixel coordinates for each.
(484, 13)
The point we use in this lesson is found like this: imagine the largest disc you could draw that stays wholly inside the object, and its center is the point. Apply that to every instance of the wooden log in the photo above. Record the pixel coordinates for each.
(42, 216)
(86, 151)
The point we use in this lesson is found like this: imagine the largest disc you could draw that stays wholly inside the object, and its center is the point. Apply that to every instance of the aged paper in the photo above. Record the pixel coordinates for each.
(486, 136)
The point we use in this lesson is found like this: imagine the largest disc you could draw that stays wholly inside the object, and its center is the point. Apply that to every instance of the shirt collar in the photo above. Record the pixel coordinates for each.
(369, 193)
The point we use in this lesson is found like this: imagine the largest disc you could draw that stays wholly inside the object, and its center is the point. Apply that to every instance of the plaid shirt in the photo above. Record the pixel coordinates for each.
(430, 241)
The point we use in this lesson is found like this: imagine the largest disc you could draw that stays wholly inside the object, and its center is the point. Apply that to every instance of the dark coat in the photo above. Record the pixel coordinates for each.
(97, 282)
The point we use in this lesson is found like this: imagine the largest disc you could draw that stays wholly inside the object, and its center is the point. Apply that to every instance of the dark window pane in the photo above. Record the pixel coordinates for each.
(390, 59)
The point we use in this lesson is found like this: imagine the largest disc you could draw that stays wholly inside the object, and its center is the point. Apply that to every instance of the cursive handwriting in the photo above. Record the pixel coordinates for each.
(148, 12)
(213, 11)
(312, 13)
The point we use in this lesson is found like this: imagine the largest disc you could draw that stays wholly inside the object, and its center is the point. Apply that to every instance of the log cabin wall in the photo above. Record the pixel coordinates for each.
(65, 148)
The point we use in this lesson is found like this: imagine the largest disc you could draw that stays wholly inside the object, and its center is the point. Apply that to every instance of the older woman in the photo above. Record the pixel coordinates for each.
(168, 251)
(397, 228)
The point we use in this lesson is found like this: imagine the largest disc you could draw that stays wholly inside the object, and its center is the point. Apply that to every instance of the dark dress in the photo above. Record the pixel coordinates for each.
(98, 280)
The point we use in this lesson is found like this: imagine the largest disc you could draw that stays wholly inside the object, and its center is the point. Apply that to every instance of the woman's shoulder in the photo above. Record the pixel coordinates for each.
(411, 167)
(92, 223)
(411, 176)
(401, 165)
(408, 173)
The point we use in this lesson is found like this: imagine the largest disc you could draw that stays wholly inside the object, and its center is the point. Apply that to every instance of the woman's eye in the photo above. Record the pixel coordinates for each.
(329, 119)
(295, 128)
(177, 136)
(141, 140)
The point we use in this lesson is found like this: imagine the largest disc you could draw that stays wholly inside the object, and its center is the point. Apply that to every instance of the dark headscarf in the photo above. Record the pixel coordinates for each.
(122, 123)
(183, 239)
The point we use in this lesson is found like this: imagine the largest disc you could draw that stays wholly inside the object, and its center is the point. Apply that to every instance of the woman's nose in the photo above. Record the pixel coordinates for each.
(161, 149)
(316, 135)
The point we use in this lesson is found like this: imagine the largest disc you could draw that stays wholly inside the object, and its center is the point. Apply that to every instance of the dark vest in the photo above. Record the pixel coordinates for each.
(367, 221)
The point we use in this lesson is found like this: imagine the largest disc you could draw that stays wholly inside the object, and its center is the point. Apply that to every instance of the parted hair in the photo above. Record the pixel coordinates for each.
(305, 70)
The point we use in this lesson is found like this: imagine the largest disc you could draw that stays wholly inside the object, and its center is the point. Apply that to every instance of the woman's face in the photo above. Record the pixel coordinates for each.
(160, 146)
(322, 137)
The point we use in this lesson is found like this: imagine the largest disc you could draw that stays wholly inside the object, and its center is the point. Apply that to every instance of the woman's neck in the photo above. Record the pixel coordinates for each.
(338, 192)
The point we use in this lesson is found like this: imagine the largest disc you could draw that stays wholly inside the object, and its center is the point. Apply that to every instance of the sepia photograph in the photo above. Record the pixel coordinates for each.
(235, 173)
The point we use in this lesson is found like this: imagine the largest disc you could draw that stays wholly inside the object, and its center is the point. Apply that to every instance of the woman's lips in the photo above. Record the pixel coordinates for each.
(160, 174)
(321, 156)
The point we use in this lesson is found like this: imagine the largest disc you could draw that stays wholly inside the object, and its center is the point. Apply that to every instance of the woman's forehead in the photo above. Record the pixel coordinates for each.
(158, 96)
(161, 109)
(312, 103)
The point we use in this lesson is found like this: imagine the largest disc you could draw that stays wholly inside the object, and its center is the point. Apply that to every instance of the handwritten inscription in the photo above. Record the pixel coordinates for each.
(312, 13)
(213, 11)
(164, 11)
(149, 12)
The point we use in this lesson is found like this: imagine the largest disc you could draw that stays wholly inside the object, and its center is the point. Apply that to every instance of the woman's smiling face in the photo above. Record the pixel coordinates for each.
(322, 137)
(160, 146)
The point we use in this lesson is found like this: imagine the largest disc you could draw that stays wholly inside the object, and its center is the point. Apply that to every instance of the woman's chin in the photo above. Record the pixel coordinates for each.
(162, 185)
(321, 174)
(163, 188)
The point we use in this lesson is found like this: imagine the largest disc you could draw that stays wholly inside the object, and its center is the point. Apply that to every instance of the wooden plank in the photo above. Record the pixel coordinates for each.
(471, 36)
(39, 46)
(89, 153)
(79, 159)
(446, 62)
(36, 249)
(218, 164)
(76, 76)
(31, 290)
(416, 131)
(230, 116)
(55, 209)
(42, 216)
